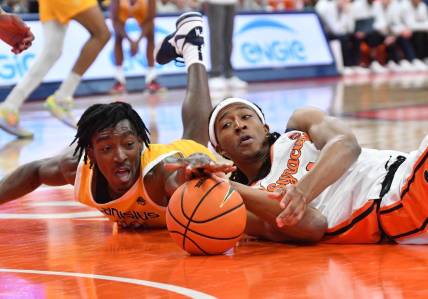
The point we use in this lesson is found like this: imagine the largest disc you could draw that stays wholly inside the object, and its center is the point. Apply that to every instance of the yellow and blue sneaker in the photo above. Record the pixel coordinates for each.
(61, 110)
(9, 122)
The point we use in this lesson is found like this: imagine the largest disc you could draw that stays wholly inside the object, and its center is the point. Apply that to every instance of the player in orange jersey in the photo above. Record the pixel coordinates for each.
(366, 195)
(144, 12)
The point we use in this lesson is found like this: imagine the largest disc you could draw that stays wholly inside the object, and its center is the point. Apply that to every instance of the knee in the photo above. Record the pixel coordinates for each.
(52, 52)
(102, 34)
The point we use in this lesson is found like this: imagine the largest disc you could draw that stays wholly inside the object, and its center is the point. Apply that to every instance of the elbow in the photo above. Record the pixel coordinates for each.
(353, 149)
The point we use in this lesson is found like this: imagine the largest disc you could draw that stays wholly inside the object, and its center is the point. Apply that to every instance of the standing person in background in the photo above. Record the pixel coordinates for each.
(55, 16)
(415, 16)
(338, 22)
(221, 15)
(14, 32)
(144, 12)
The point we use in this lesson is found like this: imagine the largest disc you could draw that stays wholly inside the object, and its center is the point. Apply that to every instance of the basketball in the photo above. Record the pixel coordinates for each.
(206, 217)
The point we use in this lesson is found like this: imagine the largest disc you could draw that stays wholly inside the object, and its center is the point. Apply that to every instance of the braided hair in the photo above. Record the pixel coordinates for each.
(101, 116)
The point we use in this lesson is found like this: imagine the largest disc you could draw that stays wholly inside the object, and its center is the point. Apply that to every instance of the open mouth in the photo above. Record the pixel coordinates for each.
(244, 140)
(123, 174)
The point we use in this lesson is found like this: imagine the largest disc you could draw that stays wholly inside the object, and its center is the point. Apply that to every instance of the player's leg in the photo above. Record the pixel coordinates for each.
(61, 102)
(119, 86)
(54, 34)
(187, 42)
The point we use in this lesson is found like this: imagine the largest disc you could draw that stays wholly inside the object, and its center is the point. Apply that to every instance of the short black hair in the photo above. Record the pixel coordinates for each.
(101, 116)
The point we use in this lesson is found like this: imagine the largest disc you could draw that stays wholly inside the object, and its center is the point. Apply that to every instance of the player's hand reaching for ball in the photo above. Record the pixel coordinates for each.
(294, 203)
(198, 165)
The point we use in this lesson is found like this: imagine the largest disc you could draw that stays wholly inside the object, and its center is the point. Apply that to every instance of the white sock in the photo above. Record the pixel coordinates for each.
(68, 87)
(151, 74)
(120, 74)
(53, 34)
(192, 54)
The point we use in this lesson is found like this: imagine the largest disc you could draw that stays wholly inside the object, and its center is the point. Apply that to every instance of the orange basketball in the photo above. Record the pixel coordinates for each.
(206, 217)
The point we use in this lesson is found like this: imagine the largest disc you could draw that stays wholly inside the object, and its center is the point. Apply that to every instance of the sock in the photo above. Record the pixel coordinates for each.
(151, 74)
(192, 54)
(68, 87)
(120, 75)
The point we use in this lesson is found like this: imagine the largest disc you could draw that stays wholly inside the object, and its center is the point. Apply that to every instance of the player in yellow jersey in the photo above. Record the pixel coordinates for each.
(55, 16)
(113, 166)
(144, 12)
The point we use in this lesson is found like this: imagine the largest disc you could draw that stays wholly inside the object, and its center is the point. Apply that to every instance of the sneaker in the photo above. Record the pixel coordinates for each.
(419, 65)
(236, 83)
(406, 66)
(347, 71)
(394, 67)
(118, 88)
(154, 87)
(377, 68)
(61, 110)
(188, 30)
(9, 122)
(359, 70)
(217, 83)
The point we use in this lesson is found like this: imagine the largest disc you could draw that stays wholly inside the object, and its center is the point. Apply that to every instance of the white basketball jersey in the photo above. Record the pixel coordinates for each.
(293, 155)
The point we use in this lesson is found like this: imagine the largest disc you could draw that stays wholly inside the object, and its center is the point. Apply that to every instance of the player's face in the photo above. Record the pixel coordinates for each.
(117, 153)
(241, 135)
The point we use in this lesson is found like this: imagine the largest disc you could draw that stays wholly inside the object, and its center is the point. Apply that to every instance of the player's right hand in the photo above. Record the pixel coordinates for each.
(198, 165)
(15, 33)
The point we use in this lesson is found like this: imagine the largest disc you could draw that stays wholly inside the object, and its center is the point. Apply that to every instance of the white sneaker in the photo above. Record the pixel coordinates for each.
(348, 71)
(406, 66)
(359, 70)
(235, 82)
(217, 83)
(377, 68)
(393, 67)
(419, 65)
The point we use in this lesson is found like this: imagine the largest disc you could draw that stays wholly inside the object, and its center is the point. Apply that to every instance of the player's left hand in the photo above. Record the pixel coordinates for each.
(198, 165)
(294, 204)
(15, 33)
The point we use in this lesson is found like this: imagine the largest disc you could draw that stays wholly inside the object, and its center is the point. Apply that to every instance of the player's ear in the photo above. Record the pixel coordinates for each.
(266, 128)
(90, 154)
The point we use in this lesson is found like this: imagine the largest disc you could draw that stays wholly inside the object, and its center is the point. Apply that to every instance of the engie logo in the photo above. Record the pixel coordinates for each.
(13, 67)
(270, 41)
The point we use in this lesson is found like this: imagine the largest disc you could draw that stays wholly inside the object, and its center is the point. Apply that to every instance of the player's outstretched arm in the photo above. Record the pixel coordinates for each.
(56, 171)
(14, 32)
(263, 208)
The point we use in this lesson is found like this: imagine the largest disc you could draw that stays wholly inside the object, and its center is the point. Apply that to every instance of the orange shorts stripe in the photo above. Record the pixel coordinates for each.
(409, 216)
(361, 227)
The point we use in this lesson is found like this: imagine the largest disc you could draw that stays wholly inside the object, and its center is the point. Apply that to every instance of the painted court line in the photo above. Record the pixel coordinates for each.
(163, 286)
(51, 215)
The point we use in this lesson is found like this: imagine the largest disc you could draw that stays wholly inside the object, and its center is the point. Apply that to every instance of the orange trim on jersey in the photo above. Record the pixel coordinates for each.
(409, 217)
(361, 227)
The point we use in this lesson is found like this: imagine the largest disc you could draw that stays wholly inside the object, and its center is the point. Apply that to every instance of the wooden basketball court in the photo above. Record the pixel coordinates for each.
(53, 247)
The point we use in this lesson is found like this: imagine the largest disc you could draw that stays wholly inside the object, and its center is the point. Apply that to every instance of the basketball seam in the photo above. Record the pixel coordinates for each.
(196, 244)
(220, 215)
(198, 233)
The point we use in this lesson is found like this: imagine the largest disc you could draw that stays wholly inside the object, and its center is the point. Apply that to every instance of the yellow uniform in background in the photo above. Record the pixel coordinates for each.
(63, 10)
(135, 208)
(137, 11)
